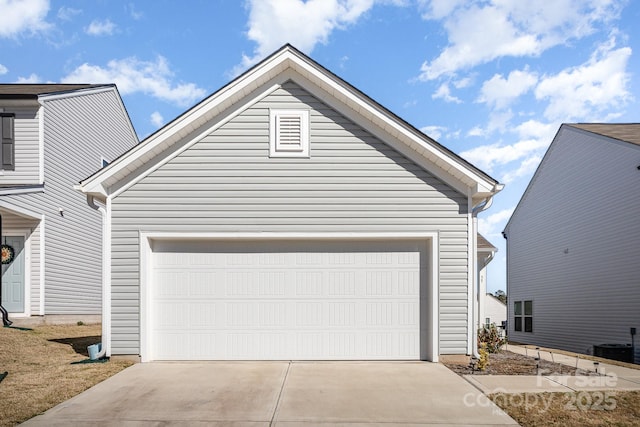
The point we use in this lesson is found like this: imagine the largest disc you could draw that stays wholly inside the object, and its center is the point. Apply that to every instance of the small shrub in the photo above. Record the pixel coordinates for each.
(80, 323)
(483, 362)
(490, 337)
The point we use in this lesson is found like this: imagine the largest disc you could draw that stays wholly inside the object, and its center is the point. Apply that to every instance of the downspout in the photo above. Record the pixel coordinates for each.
(482, 206)
(106, 294)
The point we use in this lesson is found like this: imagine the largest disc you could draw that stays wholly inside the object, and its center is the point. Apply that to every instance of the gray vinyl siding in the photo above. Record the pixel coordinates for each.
(573, 244)
(352, 182)
(78, 131)
(27, 159)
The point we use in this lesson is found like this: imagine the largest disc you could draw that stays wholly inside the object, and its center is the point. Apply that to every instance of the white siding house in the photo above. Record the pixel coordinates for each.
(289, 216)
(488, 310)
(53, 136)
(573, 260)
(495, 311)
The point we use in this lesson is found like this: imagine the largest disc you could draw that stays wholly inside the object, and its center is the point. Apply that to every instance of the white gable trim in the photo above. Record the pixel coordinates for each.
(193, 140)
(279, 67)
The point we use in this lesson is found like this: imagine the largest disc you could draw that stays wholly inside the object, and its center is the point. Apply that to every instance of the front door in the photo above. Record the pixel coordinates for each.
(13, 277)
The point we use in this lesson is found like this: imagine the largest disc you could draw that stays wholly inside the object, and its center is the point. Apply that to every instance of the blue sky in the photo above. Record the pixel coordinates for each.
(490, 79)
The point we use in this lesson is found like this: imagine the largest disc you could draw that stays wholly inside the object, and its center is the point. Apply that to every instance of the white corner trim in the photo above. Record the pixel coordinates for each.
(146, 316)
(470, 275)
(41, 144)
(106, 278)
(434, 353)
(42, 264)
(146, 271)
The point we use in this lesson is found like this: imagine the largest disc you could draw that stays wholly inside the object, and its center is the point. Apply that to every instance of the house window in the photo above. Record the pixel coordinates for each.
(487, 322)
(517, 316)
(7, 150)
(523, 316)
(289, 133)
(103, 162)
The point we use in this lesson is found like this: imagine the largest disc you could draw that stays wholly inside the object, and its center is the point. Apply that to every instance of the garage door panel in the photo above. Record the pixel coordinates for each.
(213, 302)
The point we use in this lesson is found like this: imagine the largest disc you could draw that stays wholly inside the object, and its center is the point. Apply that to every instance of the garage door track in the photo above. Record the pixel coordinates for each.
(279, 394)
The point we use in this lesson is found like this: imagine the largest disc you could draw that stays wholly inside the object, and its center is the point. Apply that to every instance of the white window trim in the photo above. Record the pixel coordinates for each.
(274, 149)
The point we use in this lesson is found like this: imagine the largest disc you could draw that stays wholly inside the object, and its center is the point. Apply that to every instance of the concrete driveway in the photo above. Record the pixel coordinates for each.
(279, 394)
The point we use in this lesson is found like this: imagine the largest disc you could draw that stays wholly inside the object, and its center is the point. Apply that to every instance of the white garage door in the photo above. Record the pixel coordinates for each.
(286, 300)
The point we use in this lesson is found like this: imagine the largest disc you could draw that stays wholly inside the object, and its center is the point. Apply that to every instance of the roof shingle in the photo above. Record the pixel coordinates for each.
(28, 91)
(628, 132)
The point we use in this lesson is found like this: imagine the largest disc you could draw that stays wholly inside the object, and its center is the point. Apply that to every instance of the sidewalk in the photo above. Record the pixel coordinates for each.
(608, 376)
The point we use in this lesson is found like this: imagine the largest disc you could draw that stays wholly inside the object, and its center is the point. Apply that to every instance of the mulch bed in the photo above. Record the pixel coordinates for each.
(508, 363)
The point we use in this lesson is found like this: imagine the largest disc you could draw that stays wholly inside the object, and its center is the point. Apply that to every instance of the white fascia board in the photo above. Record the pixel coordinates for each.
(391, 139)
(75, 92)
(389, 124)
(465, 178)
(196, 138)
(178, 129)
(17, 210)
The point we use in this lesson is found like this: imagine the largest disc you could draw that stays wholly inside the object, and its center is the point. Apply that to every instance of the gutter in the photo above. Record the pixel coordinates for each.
(474, 312)
(105, 351)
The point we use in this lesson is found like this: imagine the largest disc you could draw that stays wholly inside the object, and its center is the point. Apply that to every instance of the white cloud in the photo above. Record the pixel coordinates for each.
(156, 119)
(476, 131)
(462, 83)
(101, 28)
(434, 132)
(26, 16)
(68, 13)
(33, 78)
(438, 9)
(444, 93)
(588, 90)
(135, 14)
(492, 225)
(479, 32)
(499, 92)
(527, 167)
(488, 156)
(536, 129)
(519, 159)
(273, 23)
(3, 70)
(132, 75)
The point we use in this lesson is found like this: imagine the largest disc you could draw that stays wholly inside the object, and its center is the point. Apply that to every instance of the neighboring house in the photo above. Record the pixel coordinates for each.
(573, 257)
(495, 311)
(290, 216)
(487, 310)
(53, 135)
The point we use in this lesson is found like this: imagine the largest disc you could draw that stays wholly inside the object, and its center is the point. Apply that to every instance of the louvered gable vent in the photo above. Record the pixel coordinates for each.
(289, 133)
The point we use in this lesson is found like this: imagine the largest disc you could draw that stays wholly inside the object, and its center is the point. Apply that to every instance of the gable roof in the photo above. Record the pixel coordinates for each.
(284, 65)
(32, 91)
(484, 245)
(627, 132)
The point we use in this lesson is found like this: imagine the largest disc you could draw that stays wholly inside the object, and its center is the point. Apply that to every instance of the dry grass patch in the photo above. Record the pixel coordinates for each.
(508, 363)
(593, 408)
(40, 371)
